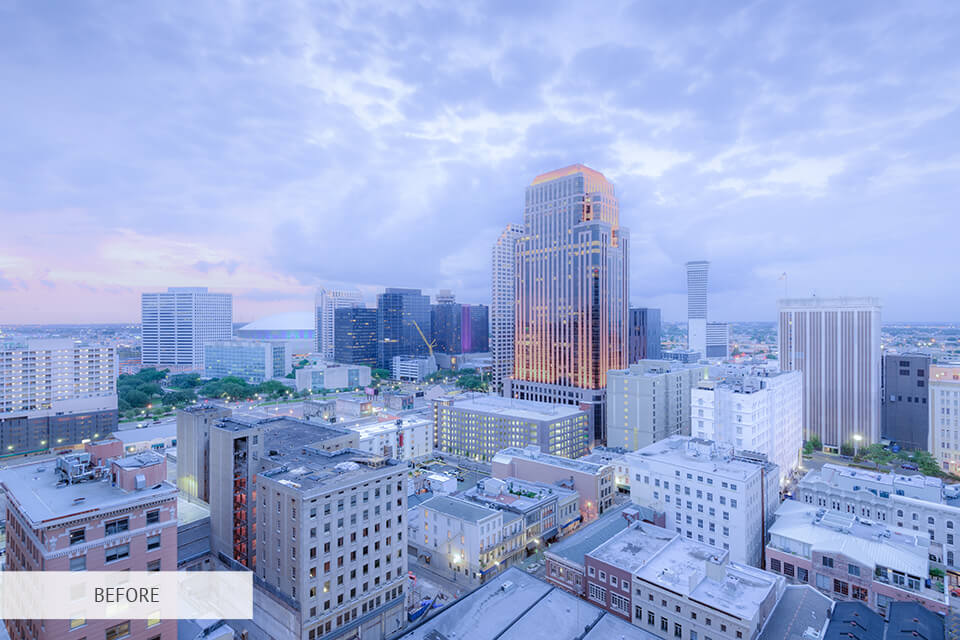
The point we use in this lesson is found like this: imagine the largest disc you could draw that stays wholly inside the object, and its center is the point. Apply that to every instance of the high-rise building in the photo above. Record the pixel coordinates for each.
(697, 272)
(649, 401)
(175, 325)
(502, 305)
(326, 304)
(403, 325)
(193, 448)
(835, 342)
(905, 418)
(572, 291)
(55, 393)
(355, 336)
(644, 335)
(475, 335)
(253, 360)
(945, 416)
(445, 327)
(718, 340)
(445, 296)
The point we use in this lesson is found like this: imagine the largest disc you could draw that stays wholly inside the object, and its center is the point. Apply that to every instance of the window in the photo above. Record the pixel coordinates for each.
(118, 631)
(598, 593)
(823, 582)
(619, 603)
(153, 517)
(841, 587)
(853, 569)
(153, 542)
(802, 574)
(117, 553)
(775, 565)
(677, 630)
(117, 526)
(860, 593)
(78, 563)
(827, 561)
(153, 565)
(77, 536)
(76, 623)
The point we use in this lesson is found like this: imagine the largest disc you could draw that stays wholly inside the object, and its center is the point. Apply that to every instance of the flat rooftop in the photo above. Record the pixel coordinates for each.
(153, 432)
(699, 455)
(491, 404)
(368, 427)
(519, 494)
(505, 456)
(633, 547)
(573, 548)
(189, 511)
(460, 509)
(834, 473)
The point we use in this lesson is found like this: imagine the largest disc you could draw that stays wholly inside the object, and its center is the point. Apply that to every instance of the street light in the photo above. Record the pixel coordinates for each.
(856, 443)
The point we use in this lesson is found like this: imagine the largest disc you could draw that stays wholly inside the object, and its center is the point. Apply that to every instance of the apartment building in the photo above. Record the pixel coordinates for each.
(63, 515)
(480, 425)
(649, 401)
(548, 511)
(193, 448)
(914, 502)
(593, 482)
(852, 558)
(55, 393)
(708, 493)
(944, 386)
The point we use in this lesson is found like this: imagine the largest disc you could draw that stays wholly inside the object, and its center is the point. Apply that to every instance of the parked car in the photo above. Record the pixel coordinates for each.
(909, 465)
(955, 592)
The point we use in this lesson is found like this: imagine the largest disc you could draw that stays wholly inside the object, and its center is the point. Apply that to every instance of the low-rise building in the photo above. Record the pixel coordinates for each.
(156, 437)
(593, 482)
(253, 360)
(617, 458)
(687, 356)
(708, 492)
(548, 511)
(480, 425)
(853, 558)
(412, 368)
(332, 376)
(320, 410)
(944, 387)
(409, 438)
(353, 406)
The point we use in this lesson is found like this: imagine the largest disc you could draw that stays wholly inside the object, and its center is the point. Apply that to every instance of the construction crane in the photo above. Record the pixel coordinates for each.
(430, 345)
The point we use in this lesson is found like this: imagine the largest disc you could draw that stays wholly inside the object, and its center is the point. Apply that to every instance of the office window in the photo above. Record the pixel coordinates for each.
(118, 631)
(117, 553)
(153, 542)
(78, 536)
(78, 564)
(153, 517)
(117, 526)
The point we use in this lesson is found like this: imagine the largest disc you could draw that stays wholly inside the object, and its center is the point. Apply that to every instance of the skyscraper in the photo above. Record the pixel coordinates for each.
(355, 336)
(905, 414)
(445, 325)
(328, 301)
(835, 342)
(402, 316)
(475, 330)
(175, 324)
(572, 291)
(644, 335)
(697, 272)
(717, 340)
(502, 301)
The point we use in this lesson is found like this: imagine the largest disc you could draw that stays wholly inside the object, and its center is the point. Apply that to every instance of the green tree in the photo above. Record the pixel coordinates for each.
(135, 398)
(184, 381)
(816, 443)
(382, 374)
(846, 449)
(877, 454)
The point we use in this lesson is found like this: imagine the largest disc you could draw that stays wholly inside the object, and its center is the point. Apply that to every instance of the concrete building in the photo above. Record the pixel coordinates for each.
(852, 558)
(412, 368)
(332, 375)
(915, 502)
(321, 410)
(295, 330)
(593, 482)
(697, 276)
(905, 414)
(354, 406)
(55, 393)
(355, 336)
(756, 409)
(330, 534)
(327, 301)
(644, 335)
(945, 416)
(503, 304)
(649, 401)
(547, 510)
(156, 437)
(480, 425)
(253, 360)
(193, 448)
(572, 289)
(718, 340)
(409, 438)
(708, 493)
(403, 325)
(835, 343)
(174, 326)
(686, 356)
(126, 524)
(615, 457)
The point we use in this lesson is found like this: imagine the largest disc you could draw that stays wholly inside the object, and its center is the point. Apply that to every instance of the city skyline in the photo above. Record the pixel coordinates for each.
(265, 160)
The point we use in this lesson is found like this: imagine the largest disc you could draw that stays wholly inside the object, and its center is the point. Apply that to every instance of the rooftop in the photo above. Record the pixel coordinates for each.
(153, 432)
(854, 620)
(372, 426)
(527, 409)
(700, 455)
(632, 548)
(532, 452)
(913, 486)
(908, 620)
(574, 547)
(460, 509)
(800, 607)
(290, 321)
(516, 494)
(654, 368)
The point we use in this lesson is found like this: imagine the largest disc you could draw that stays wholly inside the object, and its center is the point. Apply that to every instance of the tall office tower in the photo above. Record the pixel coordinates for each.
(644, 335)
(905, 414)
(502, 305)
(572, 291)
(445, 296)
(835, 342)
(697, 272)
(718, 340)
(355, 336)
(175, 324)
(476, 332)
(403, 325)
(193, 448)
(445, 326)
(327, 302)
(54, 393)
(945, 416)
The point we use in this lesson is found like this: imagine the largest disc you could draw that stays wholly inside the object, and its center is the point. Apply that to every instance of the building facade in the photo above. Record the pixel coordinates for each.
(174, 326)
(708, 493)
(355, 336)
(905, 416)
(193, 448)
(649, 401)
(644, 335)
(572, 284)
(475, 337)
(445, 322)
(403, 325)
(401, 438)
(480, 425)
(54, 393)
(332, 375)
(412, 368)
(835, 344)
(326, 303)
(503, 287)
(697, 275)
(945, 416)
(254, 361)
(718, 340)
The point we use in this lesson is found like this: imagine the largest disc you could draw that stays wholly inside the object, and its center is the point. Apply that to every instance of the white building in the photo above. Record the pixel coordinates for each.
(412, 368)
(295, 329)
(177, 323)
(332, 376)
(697, 272)
(649, 401)
(753, 408)
(55, 392)
(718, 340)
(708, 492)
(327, 301)
(944, 389)
(835, 343)
(253, 360)
(400, 438)
(502, 304)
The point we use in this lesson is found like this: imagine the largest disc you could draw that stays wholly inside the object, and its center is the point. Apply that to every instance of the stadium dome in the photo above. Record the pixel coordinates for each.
(294, 325)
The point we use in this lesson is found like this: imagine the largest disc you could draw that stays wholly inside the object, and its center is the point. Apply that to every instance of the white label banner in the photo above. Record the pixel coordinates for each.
(126, 595)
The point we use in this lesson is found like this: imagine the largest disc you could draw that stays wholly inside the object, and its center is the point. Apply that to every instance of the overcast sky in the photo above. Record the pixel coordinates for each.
(264, 148)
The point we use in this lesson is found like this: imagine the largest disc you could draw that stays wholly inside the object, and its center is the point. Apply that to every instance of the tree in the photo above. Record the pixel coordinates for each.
(877, 454)
(815, 442)
(846, 449)
(179, 398)
(383, 374)
(135, 398)
(184, 380)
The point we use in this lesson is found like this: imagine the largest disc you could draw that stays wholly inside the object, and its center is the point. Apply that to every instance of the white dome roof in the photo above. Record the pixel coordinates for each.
(290, 321)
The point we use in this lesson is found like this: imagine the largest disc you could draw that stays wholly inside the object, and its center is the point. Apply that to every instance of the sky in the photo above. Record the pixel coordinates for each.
(266, 148)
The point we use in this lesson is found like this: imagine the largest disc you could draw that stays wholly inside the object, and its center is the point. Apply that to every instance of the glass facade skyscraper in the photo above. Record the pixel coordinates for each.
(400, 313)
(355, 336)
(644, 334)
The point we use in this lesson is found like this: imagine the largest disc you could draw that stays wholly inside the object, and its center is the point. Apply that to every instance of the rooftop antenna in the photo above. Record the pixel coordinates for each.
(783, 277)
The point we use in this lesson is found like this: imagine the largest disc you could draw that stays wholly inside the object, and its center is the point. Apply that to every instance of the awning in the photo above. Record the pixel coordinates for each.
(574, 521)
(488, 569)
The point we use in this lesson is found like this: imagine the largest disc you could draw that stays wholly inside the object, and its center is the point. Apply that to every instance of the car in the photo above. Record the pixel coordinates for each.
(955, 592)
(909, 466)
